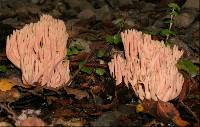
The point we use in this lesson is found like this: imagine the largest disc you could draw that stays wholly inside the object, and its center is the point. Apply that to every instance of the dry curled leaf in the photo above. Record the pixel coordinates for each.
(164, 111)
(6, 84)
(79, 94)
(167, 111)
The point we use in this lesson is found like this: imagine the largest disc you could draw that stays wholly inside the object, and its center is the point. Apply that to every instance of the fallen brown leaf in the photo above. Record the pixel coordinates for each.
(185, 90)
(63, 112)
(164, 111)
(97, 89)
(6, 84)
(30, 122)
(167, 111)
(79, 94)
(9, 96)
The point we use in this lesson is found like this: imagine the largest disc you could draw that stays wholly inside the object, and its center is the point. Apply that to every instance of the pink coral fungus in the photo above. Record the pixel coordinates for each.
(38, 49)
(150, 67)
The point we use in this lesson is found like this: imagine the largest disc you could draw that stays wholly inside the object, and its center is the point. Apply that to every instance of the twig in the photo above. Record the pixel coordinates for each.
(76, 73)
(170, 25)
(90, 65)
(9, 110)
(190, 111)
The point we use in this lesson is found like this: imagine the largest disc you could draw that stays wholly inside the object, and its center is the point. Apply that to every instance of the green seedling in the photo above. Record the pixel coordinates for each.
(174, 9)
(167, 32)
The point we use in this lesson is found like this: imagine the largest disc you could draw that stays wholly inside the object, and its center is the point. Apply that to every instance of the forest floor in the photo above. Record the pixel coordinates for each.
(92, 99)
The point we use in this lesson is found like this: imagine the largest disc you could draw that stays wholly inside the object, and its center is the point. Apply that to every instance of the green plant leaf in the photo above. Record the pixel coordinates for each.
(100, 71)
(167, 32)
(72, 51)
(87, 70)
(174, 13)
(116, 38)
(79, 47)
(100, 53)
(174, 6)
(81, 63)
(109, 39)
(3, 68)
(188, 67)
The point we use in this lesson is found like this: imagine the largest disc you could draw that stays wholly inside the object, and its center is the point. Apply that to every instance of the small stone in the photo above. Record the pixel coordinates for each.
(148, 7)
(192, 36)
(73, 3)
(123, 3)
(193, 4)
(70, 13)
(98, 3)
(108, 119)
(35, 1)
(113, 3)
(55, 13)
(104, 13)
(6, 12)
(177, 41)
(86, 14)
(79, 4)
(184, 20)
(130, 22)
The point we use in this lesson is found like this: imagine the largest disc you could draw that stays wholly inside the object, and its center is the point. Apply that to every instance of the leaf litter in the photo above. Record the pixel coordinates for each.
(92, 98)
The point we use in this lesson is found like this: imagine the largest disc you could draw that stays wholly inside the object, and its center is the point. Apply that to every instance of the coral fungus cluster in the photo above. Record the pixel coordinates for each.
(38, 49)
(149, 67)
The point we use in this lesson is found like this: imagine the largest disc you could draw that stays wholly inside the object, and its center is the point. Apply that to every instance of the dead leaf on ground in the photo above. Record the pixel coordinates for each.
(79, 57)
(164, 111)
(30, 122)
(185, 90)
(74, 122)
(9, 96)
(167, 111)
(64, 112)
(63, 102)
(84, 85)
(79, 94)
(97, 89)
(6, 84)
